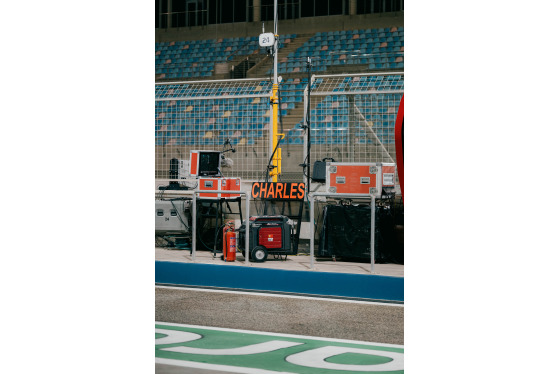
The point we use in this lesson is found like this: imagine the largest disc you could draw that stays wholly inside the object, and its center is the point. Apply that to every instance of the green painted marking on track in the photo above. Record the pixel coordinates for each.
(358, 359)
(274, 360)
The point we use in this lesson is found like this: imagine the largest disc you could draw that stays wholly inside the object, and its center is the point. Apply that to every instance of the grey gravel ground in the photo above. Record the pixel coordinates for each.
(322, 318)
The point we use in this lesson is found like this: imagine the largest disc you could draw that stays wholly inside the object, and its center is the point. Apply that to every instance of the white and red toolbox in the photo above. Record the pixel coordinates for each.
(220, 184)
(205, 165)
(370, 178)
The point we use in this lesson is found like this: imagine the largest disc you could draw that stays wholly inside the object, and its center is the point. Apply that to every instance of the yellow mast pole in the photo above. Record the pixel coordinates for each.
(277, 156)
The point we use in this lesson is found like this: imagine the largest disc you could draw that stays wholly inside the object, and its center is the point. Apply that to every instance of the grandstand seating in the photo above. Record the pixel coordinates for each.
(197, 58)
(180, 122)
(210, 122)
(377, 48)
(330, 117)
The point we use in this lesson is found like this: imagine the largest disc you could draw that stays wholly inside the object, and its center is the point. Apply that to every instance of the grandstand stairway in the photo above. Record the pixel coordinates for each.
(293, 117)
(260, 70)
(242, 64)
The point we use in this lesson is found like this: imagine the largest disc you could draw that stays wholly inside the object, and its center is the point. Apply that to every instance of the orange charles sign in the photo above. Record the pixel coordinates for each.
(278, 191)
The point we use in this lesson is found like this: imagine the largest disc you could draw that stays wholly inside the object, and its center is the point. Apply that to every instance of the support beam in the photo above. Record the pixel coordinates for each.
(169, 18)
(256, 10)
(353, 7)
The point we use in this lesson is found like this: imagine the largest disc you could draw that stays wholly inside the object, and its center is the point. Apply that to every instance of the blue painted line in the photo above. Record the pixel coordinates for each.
(375, 287)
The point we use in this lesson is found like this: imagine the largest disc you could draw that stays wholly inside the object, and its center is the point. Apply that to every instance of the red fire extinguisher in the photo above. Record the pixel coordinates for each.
(229, 241)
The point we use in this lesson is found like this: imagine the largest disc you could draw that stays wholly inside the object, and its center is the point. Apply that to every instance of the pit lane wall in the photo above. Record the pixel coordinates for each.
(321, 284)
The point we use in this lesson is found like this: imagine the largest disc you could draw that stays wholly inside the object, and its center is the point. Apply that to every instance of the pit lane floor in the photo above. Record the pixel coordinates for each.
(275, 314)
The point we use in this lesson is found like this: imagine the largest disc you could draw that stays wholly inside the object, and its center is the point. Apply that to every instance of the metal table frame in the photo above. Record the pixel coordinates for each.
(247, 202)
(312, 197)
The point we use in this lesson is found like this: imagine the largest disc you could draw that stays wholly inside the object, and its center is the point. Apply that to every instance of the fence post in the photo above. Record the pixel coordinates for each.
(372, 234)
(193, 244)
(312, 231)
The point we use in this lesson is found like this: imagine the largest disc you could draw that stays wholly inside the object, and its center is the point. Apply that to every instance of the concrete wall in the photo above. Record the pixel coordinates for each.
(307, 25)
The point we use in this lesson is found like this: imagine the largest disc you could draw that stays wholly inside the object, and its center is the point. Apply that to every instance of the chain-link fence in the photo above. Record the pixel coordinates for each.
(205, 115)
(352, 117)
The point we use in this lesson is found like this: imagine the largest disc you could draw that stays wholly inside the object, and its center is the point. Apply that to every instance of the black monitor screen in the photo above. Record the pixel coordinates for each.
(209, 163)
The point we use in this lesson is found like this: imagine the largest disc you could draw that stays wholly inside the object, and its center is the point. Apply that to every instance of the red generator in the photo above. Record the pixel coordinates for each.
(267, 235)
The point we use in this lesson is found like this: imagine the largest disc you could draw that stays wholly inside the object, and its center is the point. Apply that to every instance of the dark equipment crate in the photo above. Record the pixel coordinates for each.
(267, 235)
(346, 234)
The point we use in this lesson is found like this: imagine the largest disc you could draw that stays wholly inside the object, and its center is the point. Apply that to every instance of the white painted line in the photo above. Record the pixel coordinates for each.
(265, 347)
(174, 336)
(282, 335)
(200, 365)
(317, 358)
(282, 295)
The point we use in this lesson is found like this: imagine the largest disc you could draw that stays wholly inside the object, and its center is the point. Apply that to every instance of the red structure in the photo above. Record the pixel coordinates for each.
(399, 143)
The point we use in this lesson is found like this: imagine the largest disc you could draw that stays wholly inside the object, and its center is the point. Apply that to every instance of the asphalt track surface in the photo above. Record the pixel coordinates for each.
(363, 321)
